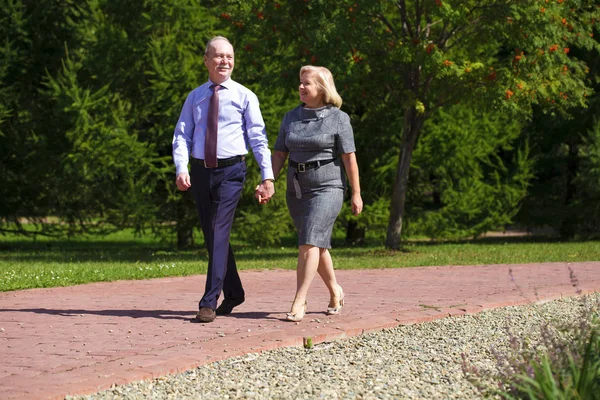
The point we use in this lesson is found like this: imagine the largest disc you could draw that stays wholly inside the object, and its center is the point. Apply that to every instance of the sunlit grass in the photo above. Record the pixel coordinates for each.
(25, 263)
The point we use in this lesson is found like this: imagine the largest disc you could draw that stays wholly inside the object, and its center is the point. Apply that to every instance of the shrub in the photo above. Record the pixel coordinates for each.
(563, 364)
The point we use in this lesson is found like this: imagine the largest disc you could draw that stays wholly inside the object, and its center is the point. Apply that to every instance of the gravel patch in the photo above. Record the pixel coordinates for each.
(421, 361)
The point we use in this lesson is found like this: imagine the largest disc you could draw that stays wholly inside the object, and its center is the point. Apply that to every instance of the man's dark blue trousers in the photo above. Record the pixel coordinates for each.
(217, 192)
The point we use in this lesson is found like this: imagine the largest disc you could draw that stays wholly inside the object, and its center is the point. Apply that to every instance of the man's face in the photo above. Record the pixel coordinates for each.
(219, 61)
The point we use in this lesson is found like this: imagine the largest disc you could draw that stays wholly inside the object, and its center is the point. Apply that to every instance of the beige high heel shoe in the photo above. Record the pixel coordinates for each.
(336, 309)
(296, 317)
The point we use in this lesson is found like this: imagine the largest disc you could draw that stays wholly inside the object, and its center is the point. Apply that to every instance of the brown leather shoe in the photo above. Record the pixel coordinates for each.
(206, 315)
(227, 305)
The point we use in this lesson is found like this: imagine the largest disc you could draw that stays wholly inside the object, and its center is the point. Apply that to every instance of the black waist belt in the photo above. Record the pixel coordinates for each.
(302, 167)
(221, 162)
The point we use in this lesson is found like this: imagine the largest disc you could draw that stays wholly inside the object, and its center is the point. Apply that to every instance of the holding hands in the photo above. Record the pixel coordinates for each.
(264, 191)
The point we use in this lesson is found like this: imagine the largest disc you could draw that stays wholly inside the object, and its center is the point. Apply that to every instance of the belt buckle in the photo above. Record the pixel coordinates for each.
(206, 166)
(301, 167)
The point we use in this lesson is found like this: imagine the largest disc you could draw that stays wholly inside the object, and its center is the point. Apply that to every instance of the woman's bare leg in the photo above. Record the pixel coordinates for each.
(327, 273)
(308, 263)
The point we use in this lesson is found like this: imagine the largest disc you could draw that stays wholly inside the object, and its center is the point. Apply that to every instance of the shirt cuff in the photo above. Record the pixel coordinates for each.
(268, 174)
(181, 168)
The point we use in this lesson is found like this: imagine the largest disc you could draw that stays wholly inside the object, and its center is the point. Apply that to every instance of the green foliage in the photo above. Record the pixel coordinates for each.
(576, 375)
(470, 50)
(90, 91)
(373, 219)
(396, 64)
(111, 172)
(26, 155)
(588, 183)
(574, 382)
(565, 147)
(467, 176)
(268, 225)
(265, 226)
(108, 81)
(563, 363)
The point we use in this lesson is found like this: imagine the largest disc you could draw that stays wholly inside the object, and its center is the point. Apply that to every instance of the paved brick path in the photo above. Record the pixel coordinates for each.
(82, 339)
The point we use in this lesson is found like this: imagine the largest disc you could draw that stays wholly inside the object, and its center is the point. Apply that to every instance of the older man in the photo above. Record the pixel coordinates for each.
(218, 121)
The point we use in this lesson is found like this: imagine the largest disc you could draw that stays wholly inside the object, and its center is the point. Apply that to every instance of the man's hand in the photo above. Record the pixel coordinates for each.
(264, 191)
(183, 181)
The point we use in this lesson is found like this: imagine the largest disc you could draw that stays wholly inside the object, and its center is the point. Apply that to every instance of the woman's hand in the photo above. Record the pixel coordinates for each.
(357, 203)
(349, 160)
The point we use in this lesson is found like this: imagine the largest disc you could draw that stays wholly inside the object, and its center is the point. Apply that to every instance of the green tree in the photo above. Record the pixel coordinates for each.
(467, 176)
(35, 36)
(263, 225)
(93, 90)
(564, 196)
(413, 57)
(109, 172)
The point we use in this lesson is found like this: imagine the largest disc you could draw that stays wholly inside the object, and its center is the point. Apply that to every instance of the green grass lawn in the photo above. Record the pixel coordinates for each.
(25, 263)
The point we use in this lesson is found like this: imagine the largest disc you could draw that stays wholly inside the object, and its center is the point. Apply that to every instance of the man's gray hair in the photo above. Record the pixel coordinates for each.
(214, 39)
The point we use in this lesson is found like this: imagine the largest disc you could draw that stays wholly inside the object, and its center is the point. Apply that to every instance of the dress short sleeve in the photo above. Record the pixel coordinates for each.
(345, 136)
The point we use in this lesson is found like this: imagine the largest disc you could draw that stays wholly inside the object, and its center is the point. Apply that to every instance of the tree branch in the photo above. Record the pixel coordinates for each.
(387, 23)
(401, 4)
(465, 27)
(418, 17)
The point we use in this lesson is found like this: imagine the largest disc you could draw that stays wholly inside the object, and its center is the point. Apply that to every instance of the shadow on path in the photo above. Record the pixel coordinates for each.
(158, 314)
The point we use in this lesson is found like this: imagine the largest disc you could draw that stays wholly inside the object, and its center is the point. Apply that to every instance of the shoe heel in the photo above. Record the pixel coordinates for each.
(336, 310)
(297, 317)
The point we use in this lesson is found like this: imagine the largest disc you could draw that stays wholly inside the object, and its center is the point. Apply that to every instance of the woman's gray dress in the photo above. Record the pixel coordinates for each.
(316, 198)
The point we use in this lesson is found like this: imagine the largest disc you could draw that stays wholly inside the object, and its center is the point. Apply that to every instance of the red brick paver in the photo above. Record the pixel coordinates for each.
(82, 339)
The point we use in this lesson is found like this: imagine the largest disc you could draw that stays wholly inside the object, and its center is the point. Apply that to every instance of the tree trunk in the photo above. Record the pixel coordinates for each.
(185, 223)
(411, 130)
(567, 228)
(354, 233)
(185, 236)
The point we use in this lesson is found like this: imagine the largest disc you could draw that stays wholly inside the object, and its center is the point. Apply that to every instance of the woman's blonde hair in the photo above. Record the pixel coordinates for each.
(325, 82)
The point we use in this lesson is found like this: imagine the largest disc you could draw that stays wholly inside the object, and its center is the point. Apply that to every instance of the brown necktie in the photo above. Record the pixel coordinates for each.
(212, 126)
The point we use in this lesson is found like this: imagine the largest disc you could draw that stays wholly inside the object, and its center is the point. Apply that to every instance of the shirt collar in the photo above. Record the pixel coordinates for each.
(226, 84)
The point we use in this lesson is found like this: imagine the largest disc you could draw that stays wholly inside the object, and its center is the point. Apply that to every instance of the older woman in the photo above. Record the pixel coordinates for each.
(317, 137)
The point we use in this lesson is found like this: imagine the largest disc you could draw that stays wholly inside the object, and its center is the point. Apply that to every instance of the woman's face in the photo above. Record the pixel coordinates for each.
(310, 94)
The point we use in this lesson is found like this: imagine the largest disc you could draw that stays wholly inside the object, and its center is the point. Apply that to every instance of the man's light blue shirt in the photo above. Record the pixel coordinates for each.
(241, 126)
